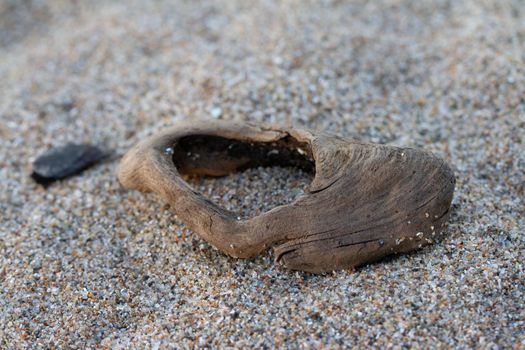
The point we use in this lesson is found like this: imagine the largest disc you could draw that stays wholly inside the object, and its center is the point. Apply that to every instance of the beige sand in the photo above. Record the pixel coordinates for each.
(87, 264)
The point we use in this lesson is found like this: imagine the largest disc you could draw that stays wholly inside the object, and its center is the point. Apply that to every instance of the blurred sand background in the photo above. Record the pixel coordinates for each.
(87, 264)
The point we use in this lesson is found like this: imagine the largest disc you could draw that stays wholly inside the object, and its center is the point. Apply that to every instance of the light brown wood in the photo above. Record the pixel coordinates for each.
(366, 201)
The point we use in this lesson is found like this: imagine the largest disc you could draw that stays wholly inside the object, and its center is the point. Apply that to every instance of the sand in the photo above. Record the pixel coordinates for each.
(87, 264)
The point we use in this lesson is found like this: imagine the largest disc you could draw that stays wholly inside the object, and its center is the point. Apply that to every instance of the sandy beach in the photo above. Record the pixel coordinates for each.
(87, 264)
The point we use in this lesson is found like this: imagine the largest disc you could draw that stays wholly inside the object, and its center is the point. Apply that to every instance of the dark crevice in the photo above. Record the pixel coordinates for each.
(333, 237)
(356, 243)
(219, 156)
(289, 251)
(327, 186)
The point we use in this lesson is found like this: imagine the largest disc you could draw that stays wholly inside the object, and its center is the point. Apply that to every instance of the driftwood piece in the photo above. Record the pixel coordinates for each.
(365, 202)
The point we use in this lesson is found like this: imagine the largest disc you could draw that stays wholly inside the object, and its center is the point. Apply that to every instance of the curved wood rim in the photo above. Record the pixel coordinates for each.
(366, 201)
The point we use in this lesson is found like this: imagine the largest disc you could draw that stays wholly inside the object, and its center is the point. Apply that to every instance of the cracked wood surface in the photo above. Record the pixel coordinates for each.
(365, 202)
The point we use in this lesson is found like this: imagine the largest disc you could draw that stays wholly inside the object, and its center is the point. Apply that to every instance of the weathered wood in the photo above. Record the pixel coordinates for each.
(366, 201)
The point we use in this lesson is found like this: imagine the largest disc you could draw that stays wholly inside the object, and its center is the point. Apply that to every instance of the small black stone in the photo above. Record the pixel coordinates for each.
(64, 161)
(234, 314)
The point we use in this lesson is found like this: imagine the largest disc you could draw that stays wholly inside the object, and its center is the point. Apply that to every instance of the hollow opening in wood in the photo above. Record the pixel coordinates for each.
(219, 156)
(255, 176)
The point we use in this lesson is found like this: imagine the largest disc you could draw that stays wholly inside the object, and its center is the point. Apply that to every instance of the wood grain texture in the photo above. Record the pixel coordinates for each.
(366, 201)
